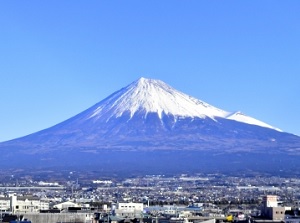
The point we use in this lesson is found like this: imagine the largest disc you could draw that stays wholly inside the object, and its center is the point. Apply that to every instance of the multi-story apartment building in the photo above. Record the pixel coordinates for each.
(17, 204)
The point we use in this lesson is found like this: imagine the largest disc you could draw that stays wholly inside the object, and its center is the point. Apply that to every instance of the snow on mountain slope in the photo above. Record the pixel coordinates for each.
(240, 117)
(148, 95)
(154, 96)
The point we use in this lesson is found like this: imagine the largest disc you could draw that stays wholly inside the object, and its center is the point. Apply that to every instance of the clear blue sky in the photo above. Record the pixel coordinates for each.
(57, 58)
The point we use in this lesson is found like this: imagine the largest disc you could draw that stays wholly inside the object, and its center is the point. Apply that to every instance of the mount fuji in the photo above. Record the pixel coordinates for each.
(150, 126)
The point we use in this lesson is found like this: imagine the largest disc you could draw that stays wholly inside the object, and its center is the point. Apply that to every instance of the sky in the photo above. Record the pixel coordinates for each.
(58, 58)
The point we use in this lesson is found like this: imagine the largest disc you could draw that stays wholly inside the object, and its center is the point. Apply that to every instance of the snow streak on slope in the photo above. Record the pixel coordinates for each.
(154, 96)
(240, 117)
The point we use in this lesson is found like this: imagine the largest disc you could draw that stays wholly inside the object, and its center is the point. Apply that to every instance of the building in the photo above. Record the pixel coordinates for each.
(270, 201)
(65, 205)
(129, 210)
(270, 209)
(4, 204)
(27, 204)
(130, 206)
(22, 204)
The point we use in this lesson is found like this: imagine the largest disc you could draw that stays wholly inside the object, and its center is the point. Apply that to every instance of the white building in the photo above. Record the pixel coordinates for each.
(130, 206)
(66, 205)
(4, 204)
(27, 204)
(270, 201)
(129, 210)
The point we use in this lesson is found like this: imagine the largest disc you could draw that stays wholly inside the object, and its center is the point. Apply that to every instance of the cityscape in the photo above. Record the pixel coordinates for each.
(80, 197)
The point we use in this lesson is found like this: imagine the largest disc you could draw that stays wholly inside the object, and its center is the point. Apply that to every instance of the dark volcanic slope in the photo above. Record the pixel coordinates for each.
(152, 133)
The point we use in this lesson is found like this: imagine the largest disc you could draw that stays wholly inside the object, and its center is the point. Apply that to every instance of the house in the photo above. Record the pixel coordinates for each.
(65, 205)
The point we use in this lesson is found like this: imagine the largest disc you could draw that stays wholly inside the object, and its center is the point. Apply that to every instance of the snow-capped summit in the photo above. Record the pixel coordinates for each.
(155, 96)
(145, 96)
